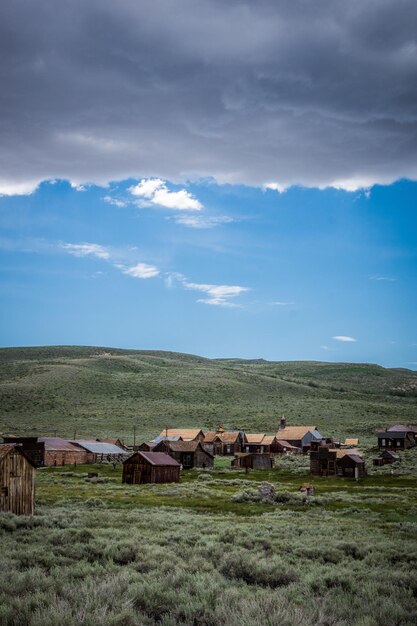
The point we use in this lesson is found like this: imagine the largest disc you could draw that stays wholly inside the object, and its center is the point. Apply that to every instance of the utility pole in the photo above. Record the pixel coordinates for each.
(134, 436)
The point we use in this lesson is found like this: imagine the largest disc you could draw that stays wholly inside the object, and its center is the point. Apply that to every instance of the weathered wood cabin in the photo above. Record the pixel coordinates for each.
(150, 467)
(385, 458)
(189, 454)
(225, 443)
(17, 480)
(32, 447)
(252, 460)
(328, 461)
(399, 437)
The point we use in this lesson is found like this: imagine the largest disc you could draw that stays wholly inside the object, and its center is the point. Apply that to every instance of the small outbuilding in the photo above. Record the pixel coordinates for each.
(150, 467)
(17, 480)
(252, 460)
(385, 458)
(307, 489)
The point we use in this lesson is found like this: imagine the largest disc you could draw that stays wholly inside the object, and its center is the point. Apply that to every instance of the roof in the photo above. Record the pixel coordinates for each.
(386, 453)
(295, 432)
(165, 438)
(228, 436)
(268, 440)
(393, 434)
(255, 438)
(185, 433)
(57, 443)
(113, 440)
(286, 444)
(157, 458)
(401, 428)
(351, 442)
(186, 446)
(355, 457)
(211, 436)
(99, 447)
(6, 448)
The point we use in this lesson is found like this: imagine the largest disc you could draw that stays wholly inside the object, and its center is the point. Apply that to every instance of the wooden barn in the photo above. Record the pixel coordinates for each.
(351, 465)
(298, 436)
(385, 458)
(252, 460)
(17, 480)
(189, 454)
(326, 460)
(150, 467)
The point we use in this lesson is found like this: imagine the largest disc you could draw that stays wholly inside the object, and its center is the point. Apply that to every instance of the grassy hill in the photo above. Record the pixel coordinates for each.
(106, 391)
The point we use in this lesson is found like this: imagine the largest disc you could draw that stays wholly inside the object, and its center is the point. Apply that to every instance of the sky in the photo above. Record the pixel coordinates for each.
(229, 180)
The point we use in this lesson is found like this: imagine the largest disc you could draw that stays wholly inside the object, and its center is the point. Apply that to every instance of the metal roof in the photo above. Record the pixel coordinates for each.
(57, 443)
(156, 458)
(99, 447)
(166, 438)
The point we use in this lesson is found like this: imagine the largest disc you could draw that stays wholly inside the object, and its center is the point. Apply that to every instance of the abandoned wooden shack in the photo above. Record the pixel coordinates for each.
(150, 467)
(189, 454)
(385, 458)
(32, 447)
(252, 460)
(224, 443)
(398, 436)
(17, 480)
(328, 461)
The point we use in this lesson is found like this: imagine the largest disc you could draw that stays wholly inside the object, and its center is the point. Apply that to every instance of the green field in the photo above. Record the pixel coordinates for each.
(106, 392)
(208, 551)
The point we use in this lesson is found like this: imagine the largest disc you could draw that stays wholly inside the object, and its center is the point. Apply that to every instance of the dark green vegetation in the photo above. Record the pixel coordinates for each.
(196, 553)
(105, 391)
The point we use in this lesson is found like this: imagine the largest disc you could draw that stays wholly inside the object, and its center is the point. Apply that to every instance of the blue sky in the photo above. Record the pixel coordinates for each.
(264, 156)
(216, 270)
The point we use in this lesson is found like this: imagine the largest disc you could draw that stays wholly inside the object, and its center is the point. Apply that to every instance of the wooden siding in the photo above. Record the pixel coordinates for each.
(17, 484)
(137, 470)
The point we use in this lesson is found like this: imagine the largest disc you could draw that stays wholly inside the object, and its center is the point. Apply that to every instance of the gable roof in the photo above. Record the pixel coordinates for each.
(165, 438)
(57, 443)
(268, 440)
(290, 433)
(351, 442)
(6, 448)
(393, 434)
(286, 444)
(354, 457)
(255, 438)
(156, 458)
(186, 433)
(185, 446)
(401, 428)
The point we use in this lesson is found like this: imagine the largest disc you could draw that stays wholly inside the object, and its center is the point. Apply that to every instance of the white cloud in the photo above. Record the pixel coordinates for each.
(199, 221)
(22, 188)
(140, 270)
(281, 303)
(156, 192)
(218, 295)
(275, 187)
(86, 249)
(115, 201)
(344, 338)
(78, 187)
(383, 278)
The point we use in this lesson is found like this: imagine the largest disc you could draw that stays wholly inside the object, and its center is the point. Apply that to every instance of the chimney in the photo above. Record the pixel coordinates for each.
(282, 423)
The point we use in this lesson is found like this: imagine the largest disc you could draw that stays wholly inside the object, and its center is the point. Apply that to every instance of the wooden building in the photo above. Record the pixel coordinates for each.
(225, 443)
(186, 434)
(399, 437)
(189, 454)
(328, 461)
(252, 460)
(116, 441)
(350, 443)
(385, 457)
(32, 447)
(17, 480)
(299, 436)
(150, 467)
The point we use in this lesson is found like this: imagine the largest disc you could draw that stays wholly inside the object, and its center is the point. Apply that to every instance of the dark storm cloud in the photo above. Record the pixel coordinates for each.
(304, 92)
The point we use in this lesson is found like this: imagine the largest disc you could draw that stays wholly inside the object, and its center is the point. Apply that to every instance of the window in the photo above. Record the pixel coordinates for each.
(4, 491)
(228, 449)
(383, 442)
(398, 443)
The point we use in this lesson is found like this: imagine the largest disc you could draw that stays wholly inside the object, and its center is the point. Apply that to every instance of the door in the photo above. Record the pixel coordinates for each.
(137, 474)
(187, 460)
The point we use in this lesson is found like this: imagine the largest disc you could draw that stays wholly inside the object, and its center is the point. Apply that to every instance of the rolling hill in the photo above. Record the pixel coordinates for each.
(95, 391)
